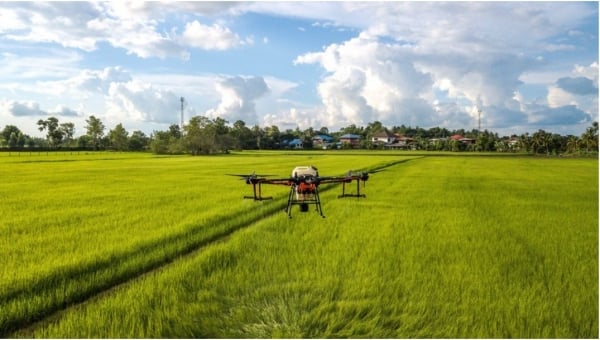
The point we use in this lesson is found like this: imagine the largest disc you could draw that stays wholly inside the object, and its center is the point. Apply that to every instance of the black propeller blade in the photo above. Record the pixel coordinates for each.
(252, 175)
(250, 179)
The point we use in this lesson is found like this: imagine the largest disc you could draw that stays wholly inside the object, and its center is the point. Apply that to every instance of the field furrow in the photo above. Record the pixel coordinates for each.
(453, 246)
(32, 300)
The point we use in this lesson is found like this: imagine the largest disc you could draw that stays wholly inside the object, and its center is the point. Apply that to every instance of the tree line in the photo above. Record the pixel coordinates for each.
(202, 135)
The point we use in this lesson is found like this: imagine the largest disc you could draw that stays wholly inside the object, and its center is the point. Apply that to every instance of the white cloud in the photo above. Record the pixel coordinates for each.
(32, 109)
(369, 80)
(411, 57)
(590, 72)
(15, 108)
(412, 63)
(215, 37)
(64, 111)
(87, 82)
(293, 118)
(139, 101)
(50, 64)
(133, 26)
(238, 96)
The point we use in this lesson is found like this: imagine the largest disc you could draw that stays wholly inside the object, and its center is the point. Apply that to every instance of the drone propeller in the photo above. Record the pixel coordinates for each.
(253, 178)
(363, 175)
(252, 175)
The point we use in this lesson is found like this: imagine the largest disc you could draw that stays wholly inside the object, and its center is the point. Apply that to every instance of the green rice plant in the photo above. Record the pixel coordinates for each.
(76, 225)
(443, 247)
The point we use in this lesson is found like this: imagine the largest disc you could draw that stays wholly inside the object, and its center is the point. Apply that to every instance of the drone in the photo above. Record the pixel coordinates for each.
(304, 186)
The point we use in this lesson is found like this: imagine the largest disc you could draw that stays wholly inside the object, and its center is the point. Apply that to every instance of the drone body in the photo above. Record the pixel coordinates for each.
(304, 186)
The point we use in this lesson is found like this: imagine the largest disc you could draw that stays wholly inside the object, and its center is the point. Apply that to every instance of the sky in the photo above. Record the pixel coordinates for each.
(513, 67)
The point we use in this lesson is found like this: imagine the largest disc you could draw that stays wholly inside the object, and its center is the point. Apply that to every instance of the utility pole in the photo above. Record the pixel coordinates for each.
(182, 102)
(478, 121)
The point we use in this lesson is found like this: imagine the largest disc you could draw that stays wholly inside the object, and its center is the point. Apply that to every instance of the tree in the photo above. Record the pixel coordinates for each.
(352, 129)
(138, 141)
(272, 137)
(118, 138)
(572, 144)
(590, 137)
(524, 142)
(175, 131)
(8, 130)
(159, 143)
(196, 138)
(95, 129)
(540, 141)
(68, 130)
(12, 137)
(84, 141)
(13, 140)
(54, 135)
(373, 128)
(258, 135)
(324, 130)
(243, 135)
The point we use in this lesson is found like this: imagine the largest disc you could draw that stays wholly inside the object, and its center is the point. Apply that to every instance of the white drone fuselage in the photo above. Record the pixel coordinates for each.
(305, 191)
(300, 171)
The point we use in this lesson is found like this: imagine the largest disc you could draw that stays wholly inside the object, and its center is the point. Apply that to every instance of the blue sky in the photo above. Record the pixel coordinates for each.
(525, 65)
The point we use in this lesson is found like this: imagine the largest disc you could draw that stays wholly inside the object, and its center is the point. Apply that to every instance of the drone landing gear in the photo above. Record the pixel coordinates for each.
(303, 200)
(358, 194)
(258, 194)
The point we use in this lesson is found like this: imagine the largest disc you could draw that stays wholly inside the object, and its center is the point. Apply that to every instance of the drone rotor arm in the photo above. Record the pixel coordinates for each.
(278, 181)
(334, 179)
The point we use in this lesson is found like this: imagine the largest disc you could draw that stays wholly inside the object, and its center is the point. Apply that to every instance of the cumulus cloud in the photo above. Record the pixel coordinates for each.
(579, 91)
(369, 80)
(430, 63)
(32, 109)
(133, 26)
(568, 114)
(292, 118)
(215, 37)
(590, 72)
(414, 63)
(579, 85)
(19, 109)
(64, 111)
(238, 96)
(139, 101)
(92, 81)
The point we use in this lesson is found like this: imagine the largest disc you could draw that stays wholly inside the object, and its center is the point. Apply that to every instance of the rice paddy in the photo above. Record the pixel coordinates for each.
(137, 246)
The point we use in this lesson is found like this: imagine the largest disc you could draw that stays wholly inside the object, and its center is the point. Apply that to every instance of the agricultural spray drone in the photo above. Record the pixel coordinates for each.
(304, 186)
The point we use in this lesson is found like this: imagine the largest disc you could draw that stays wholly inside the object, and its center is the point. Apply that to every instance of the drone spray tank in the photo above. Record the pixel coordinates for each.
(305, 188)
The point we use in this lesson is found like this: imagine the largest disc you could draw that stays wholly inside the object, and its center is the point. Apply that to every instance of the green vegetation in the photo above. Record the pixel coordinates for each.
(443, 246)
(202, 135)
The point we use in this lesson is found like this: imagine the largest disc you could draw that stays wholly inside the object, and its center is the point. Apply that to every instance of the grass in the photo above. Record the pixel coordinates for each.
(457, 247)
(76, 225)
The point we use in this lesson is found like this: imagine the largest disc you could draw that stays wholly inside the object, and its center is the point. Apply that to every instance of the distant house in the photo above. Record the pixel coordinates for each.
(402, 142)
(383, 137)
(295, 143)
(322, 141)
(351, 139)
(462, 139)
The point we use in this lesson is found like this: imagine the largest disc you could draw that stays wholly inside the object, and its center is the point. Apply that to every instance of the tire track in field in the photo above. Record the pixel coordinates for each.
(74, 286)
(128, 266)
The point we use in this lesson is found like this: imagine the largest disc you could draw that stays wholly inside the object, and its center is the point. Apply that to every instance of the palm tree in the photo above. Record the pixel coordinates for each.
(572, 144)
(524, 142)
(590, 137)
(541, 140)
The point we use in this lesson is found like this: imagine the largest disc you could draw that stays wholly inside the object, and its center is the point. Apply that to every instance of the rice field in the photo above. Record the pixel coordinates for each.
(444, 246)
